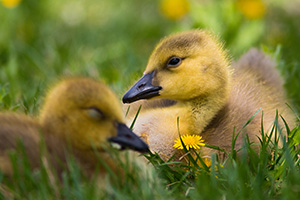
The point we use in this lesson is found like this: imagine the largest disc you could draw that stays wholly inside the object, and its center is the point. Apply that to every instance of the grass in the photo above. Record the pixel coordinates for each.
(42, 41)
(272, 173)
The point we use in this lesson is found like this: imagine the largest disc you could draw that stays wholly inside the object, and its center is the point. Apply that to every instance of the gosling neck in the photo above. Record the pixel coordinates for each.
(204, 108)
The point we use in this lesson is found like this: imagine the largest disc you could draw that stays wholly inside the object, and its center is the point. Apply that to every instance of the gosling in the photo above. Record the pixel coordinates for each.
(189, 75)
(80, 118)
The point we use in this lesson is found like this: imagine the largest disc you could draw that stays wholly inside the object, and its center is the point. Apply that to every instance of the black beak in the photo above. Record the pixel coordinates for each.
(143, 89)
(127, 139)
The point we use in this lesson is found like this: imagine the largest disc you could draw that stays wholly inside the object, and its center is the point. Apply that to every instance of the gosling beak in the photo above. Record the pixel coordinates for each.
(127, 139)
(143, 89)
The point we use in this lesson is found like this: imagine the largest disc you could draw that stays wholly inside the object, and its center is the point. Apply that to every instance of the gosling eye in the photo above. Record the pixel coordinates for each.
(174, 62)
(95, 113)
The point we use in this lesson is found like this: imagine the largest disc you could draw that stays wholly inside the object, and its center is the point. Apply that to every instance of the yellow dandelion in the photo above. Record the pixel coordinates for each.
(251, 9)
(11, 3)
(190, 142)
(207, 162)
(174, 9)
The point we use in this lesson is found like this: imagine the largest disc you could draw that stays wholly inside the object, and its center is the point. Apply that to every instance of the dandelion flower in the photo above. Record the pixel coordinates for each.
(190, 142)
(252, 9)
(11, 3)
(207, 162)
(174, 9)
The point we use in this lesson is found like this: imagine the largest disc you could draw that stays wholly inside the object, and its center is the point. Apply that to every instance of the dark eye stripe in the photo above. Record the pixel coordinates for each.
(174, 62)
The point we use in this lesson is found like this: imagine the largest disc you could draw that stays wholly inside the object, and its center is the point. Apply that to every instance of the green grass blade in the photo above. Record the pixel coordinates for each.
(134, 120)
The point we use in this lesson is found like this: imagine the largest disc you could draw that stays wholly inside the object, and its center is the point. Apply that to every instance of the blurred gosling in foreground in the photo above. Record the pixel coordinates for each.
(189, 76)
(80, 117)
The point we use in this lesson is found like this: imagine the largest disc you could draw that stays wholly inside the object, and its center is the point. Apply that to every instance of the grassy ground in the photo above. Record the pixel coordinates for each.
(41, 41)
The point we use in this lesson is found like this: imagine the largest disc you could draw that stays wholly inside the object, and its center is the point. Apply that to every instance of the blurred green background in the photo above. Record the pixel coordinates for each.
(41, 41)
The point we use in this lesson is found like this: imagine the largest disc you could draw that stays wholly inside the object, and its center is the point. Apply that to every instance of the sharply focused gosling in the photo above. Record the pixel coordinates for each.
(80, 117)
(189, 76)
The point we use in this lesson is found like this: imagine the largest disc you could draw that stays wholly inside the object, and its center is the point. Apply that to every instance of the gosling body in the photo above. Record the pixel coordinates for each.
(192, 79)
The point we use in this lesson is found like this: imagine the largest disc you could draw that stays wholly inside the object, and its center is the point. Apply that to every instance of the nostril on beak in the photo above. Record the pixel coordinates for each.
(141, 86)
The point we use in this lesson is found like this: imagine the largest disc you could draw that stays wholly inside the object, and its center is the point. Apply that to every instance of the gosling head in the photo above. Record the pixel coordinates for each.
(88, 114)
(183, 66)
